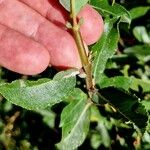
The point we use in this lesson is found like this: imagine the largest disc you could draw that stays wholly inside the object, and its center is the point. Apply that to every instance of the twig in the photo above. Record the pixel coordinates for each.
(86, 64)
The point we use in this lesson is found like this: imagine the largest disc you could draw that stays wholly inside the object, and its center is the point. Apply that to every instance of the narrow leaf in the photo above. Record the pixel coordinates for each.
(75, 120)
(105, 48)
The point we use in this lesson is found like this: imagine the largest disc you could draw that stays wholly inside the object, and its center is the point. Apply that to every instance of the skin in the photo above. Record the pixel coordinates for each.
(33, 35)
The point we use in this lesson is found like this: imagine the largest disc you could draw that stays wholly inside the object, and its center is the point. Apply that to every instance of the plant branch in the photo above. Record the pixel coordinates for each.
(86, 64)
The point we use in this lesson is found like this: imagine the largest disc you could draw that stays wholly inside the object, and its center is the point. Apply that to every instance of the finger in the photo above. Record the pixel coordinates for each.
(91, 29)
(51, 9)
(41, 6)
(21, 54)
(61, 45)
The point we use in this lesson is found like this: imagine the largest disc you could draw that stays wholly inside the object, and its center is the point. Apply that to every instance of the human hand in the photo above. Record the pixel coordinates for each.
(33, 35)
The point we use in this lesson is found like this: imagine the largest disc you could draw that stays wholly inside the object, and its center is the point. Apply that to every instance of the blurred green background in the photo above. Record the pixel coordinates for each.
(21, 129)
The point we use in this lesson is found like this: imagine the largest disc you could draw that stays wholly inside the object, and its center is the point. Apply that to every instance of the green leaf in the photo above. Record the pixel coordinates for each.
(139, 11)
(144, 84)
(66, 74)
(124, 83)
(101, 127)
(104, 124)
(105, 138)
(77, 94)
(48, 117)
(142, 52)
(39, 94)
(78, 4)
(95, 140)
(105, 48)
(146, 104)
(141, 34)
(127, 105)
(118, 82)
(75, 121)
(115, 10)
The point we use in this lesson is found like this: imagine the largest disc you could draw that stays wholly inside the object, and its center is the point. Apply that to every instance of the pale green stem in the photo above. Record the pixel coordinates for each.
(86, 64)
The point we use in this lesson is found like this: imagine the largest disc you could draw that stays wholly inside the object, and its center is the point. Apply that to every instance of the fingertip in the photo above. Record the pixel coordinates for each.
(39, 62)
(21, 54)
(32, 62)
(93, 26)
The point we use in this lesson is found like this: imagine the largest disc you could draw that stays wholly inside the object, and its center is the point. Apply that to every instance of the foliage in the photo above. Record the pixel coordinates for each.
(118, 115)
